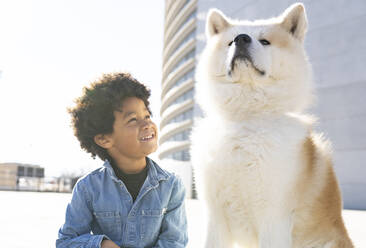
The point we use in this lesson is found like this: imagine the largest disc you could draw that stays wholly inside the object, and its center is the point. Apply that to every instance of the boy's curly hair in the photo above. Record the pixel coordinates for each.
(93, 113)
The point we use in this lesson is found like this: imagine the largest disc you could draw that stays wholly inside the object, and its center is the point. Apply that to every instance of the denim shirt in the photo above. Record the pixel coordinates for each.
(101, 207)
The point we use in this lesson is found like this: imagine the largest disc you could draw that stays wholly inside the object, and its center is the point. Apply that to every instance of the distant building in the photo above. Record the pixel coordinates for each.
(16, 176)
(178, 87)
(26, 177)
(57, 184)
(178, 79)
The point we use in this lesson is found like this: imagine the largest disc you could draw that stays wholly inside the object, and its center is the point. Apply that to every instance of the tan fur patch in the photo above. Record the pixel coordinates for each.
(278, 37)
(318, 215)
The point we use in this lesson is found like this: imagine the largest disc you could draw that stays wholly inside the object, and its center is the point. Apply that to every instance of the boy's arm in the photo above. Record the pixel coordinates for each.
(174, 226)
(109, 244)
(76, 230)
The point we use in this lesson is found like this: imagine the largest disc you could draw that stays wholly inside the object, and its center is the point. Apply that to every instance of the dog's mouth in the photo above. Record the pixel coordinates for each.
(245, 58)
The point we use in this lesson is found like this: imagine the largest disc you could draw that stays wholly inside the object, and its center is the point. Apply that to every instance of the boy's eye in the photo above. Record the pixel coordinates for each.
(147, 117)
(264, 42)
(131, 120)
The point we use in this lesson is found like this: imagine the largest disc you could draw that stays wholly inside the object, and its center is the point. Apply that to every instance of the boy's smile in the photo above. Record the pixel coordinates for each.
(134, 136)
(147, 138)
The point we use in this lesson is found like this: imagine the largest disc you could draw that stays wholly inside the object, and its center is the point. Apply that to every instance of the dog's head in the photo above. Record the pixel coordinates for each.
(256, 67)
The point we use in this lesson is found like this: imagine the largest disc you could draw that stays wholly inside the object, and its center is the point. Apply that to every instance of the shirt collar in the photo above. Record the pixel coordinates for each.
(110, 170)
(155, 173)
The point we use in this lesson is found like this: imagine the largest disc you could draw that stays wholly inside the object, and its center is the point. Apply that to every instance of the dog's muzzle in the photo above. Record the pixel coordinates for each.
(242, 43)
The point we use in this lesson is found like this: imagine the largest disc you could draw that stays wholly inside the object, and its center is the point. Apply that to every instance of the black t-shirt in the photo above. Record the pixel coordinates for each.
(133, 182)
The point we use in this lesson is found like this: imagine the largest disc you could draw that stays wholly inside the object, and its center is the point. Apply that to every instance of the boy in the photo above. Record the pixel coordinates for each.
(130, 201)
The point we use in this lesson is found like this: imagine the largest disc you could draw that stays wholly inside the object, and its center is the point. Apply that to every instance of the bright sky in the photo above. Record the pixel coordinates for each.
(50, 50)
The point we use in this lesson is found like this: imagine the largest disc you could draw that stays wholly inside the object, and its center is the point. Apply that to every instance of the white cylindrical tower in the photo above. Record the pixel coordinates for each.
(178, 79)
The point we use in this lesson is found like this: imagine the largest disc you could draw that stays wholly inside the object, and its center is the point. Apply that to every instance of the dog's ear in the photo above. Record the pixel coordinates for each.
(294, 21)
(216, 22)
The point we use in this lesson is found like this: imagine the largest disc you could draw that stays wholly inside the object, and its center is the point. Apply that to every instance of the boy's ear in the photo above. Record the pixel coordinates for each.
(103, 141)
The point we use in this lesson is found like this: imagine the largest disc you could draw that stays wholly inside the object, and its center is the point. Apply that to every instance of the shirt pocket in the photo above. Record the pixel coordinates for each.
(151, 220)
(110, 223)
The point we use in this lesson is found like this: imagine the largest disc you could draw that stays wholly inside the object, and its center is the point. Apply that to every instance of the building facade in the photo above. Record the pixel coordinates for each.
(27, 177)
(336, 48)
(178, 79)
(16, 176)
(178, 86)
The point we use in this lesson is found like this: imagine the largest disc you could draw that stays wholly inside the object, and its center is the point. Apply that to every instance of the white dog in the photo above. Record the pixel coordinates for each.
(266, 178)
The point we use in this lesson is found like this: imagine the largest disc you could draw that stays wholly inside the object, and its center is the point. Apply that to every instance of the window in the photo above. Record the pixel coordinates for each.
(181, 136)
(183, 116)
(183, 60)
(181, 155)
(188, 75)
(21, 171)
(191, 16)
(187, 38)
(187, 95)
(39, 172)
(29, 171)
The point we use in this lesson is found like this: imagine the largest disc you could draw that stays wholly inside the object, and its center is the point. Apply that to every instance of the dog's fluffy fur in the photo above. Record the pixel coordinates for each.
(266, 178)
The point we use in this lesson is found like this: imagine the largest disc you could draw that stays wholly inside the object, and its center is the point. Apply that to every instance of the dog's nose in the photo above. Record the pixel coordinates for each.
(242, 40)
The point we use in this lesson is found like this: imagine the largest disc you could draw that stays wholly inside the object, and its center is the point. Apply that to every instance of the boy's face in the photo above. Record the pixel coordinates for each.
(134, 134)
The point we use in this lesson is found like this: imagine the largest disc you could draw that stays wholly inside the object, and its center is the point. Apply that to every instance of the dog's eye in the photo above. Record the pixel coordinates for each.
(264, 42)
(231, 42)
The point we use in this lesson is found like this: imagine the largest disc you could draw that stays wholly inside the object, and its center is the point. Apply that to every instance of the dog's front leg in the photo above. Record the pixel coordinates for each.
(218, 233)
(276, 233)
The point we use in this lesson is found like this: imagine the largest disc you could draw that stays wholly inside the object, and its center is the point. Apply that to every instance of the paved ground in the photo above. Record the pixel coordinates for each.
(31, 220)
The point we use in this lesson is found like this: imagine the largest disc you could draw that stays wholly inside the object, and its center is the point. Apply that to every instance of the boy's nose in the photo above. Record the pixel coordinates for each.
(146, 124)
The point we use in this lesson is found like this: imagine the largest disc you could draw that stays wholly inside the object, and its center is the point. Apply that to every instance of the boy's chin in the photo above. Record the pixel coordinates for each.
(152, 148)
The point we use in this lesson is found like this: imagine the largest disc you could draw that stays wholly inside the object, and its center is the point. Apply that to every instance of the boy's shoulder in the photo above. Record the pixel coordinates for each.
(92, 175)
(160, 171)
(173, 184)
(166, 174)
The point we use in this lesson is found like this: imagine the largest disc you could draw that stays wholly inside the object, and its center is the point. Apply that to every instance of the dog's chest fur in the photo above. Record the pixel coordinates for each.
(252, 165)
